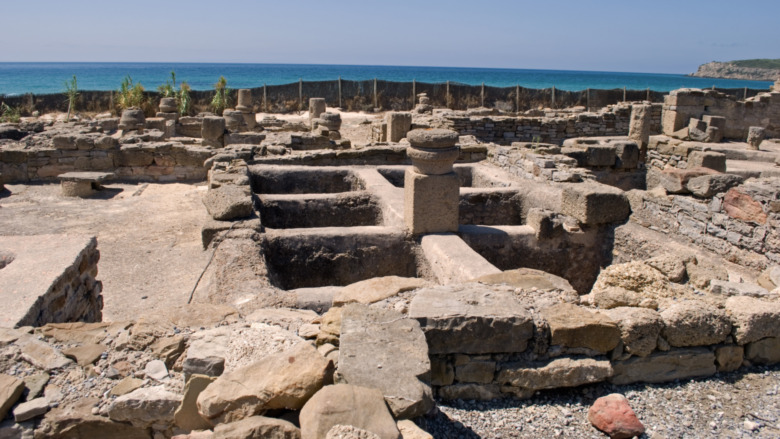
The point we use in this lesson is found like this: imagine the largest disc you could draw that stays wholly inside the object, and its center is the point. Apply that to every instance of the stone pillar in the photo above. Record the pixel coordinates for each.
(398, 124)
(316, 108)
(431, 188)
(328, 124)
(246, 107)
(234, 120)
(213, 131)
(169, 112)
(132, 119)
(755, 136)
(639, 127)
(424, 105)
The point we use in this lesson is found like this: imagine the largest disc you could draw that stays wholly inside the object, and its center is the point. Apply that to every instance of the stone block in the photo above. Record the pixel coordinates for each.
(594, 203)
(317, 106)
(228, 202)
(627, 154)
(471, 321)
(710, 185)
(694, 323)
(431, 202)
(707, 159)
(600, 155)
(663, 367)
(480, 372)
(479, 392)
(728, 358)
(561, 372)
(398, 124)
(213, 128)
(576, 327)
(343, 404)
(764, 351)
(753, 319)
(674, 180)
(755, 136)
(639, 329)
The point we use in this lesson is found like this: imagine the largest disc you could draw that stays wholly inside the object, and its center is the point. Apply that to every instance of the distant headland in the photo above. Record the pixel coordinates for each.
(751, 69)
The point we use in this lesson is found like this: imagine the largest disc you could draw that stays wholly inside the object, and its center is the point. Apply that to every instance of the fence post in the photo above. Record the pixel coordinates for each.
(339, 91)
(553, 96)
(265, 99)
(587, 99)
(648, 93)
(482, 94)
(376, 104)
(624, 93)
(414, 92)
(300, 94)
(447, 96)
(744, 95)
(517, 97)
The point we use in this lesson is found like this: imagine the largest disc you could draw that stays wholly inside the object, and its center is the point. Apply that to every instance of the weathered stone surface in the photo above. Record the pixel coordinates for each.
(376, 289)
(694, 323)
(156, 370)
(281, 381)
(708, 186)
(637, 277)
(11, 389)
(410, 430)
(433, 138)
(330, 328)
(31, 409)
(385, 350)
(527, 278)
(742, 206)
(207, 352)
(343, 404)
(168, 349)
(613, 415)
(257, 427)
(349, 432)
(479, 392)
(707, 159)
(471, 320)
(627, 154)
(86, 354)
(561, 372)
(675, 180)
(755, 136)
(213, 128)
(144, 407)
(724, 288)
(76, 421)
(287, 318)
(670, 265)
(614, 297)
(35, 384)
(594, 203)
(431, 202)
(126, 385)
(729, 358)
(639, 329)
(398, 125)
(43, 356)
(665, 366)
(228, 202)
(753, 319)
(186, 415)
(700, 275)
(480, 372)
(576, 327)
(764, 351)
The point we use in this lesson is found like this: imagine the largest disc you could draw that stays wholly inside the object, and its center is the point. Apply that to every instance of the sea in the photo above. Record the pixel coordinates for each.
(50, 78)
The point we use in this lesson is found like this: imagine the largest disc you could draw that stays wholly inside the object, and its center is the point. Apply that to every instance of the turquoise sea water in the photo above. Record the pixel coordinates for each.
(42, 78)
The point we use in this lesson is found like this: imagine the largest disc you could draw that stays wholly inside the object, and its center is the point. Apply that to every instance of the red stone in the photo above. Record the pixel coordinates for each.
(612, 415)
(741, 206)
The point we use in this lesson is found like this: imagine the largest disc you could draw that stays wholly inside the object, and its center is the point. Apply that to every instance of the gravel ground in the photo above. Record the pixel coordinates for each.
(741, 404)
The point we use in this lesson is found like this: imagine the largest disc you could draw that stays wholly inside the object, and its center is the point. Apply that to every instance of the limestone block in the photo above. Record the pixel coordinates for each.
(694, 323)
(708, 186)
(576, 327)
(442, 372)
(479, 392)
(600, 155)
(480, 372)
(755, 136)
(258, 427)
(639, 329)
(207, 352)
(245, 104)
(627, 154)
(376, 289)
(753, 319)
(729, 358)
(561, 372)
(471, 321)
(707, 159)
(145, 407)
(431, 202)
(398, 125)
(674, 180)
(168, 105)
(11, 389)
(132, 119)
(234, 120)
(594, 203)
(213, 128)
(382, 349)
(639, 126)
(228, 202)
(663, 367)
(317, 106)
(764, 351)
(725, 288)
(31, 409)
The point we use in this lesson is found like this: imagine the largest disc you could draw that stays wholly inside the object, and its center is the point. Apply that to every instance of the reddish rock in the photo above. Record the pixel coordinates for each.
(612, 415)
(740, 206)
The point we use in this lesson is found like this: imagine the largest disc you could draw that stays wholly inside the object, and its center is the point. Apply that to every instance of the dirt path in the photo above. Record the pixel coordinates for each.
(150, 246)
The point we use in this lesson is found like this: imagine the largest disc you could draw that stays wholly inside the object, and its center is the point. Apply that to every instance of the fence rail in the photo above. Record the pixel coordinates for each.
(376, 94)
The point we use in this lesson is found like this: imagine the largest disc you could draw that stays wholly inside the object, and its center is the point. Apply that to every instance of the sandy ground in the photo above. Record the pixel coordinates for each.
(355, 126)
(148, 237)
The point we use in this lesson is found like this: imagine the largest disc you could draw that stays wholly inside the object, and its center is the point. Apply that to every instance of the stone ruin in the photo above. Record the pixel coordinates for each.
(456, 255)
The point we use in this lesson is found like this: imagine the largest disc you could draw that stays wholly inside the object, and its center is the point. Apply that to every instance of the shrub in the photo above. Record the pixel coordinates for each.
(221, 99)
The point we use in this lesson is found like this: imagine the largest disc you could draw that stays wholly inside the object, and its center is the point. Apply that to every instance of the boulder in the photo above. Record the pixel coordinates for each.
(385, 350)
(282, 381)
(376, 289)
(613, 415)
(576, 327)
(662, 367)
(639, 329)
(156, 370)
(330, 327)
(228, 202)
(753, 319)
(707, 186)
(344, 404)
(76, 421)
(614, 297)
(42, 356)
(627, 154)
(186, 416)
(257, 427)
(694, 323)
(561, 372)
(471, 320)
(145, 407)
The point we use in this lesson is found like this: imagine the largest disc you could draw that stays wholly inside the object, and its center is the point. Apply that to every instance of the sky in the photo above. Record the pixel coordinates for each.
(657, 36)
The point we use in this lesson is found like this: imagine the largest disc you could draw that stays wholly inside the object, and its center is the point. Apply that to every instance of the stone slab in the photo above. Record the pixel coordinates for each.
(665, 366)
(594, 203)
(452, 260)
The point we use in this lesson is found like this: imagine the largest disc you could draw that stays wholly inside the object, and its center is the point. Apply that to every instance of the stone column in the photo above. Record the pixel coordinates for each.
(328, 124)
(213, 131)
(234, 120)
(132, 119)
(398, 124)
(755, 136)
(246, 108)
(169, 112)
(431, 188)
(316, 108)
(639, 126)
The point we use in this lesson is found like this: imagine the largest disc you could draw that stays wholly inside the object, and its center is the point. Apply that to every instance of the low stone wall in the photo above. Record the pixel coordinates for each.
(485, 344)
(49, 279)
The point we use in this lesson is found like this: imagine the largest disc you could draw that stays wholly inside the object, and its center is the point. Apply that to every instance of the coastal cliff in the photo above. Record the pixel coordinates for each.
(730, 70)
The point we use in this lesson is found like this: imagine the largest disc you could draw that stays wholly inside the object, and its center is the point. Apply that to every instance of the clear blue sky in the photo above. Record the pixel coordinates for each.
(632, 36)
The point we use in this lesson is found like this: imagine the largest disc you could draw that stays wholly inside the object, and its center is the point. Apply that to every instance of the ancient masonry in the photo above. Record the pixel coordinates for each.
(457, 255)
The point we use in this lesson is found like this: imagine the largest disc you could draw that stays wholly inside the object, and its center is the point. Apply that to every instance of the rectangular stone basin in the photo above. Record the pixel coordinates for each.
(395, 175)
(270, 179)
(349, 209)
(307, 258)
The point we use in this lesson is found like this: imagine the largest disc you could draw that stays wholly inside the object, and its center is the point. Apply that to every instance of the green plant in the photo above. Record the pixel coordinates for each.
(536, 139)
(130, 94)
(72, 93)
(168, 90)
(8, 114)
(185, 100)
(221, 99)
